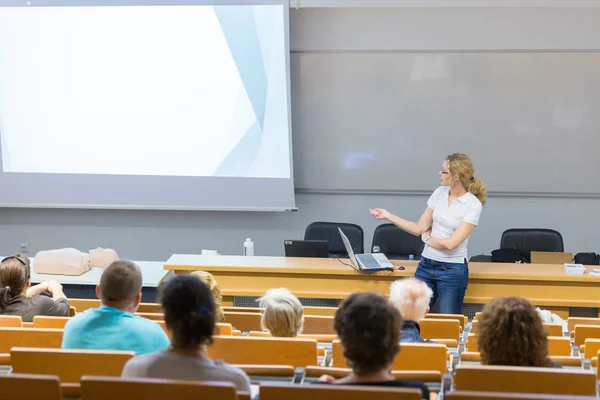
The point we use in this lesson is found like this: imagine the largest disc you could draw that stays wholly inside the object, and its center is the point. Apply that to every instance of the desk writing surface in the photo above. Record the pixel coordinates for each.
(332, 266)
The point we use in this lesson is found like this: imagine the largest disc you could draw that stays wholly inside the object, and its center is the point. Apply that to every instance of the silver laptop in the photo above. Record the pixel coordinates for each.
(365, 262)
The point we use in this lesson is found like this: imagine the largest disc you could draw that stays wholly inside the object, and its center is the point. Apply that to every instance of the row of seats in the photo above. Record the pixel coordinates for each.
(397, 244)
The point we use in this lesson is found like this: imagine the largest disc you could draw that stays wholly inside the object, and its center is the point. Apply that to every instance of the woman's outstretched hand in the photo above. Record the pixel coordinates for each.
(380, 213)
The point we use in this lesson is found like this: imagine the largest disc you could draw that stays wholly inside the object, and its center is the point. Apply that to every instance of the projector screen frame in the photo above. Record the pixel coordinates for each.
(123, 205)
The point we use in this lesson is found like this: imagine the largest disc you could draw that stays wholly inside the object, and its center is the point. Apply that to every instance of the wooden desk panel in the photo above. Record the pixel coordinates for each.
(543, 284)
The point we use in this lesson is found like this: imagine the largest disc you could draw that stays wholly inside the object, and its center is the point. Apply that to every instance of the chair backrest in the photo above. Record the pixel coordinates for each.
(152, 316)
(103, 388)
(84, 304)
(592, 347)
(223, 329)
(327, 311)
(469, 395)
(244, 321)
(462, 319)
(528, 240)
(432, 328)
(11, 321)
(525, 380)
(264, 350)
(42, 321)
(572, 321)
(583, 332)
(318, 325)
(318, 338)
(553, 329)
(69, 365)
(395, 243)
(150, 308)
(29, 337)
(472, 342)
(412, 357)
(559, 346)
(278, 391)
(329, 231)
(26, 387)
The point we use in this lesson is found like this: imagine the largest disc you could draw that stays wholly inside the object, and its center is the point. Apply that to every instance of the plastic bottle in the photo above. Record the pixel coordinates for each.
(411, 257)
(248, 247)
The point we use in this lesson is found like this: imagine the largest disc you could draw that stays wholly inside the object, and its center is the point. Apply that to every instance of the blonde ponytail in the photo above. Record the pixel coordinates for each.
(477, 187)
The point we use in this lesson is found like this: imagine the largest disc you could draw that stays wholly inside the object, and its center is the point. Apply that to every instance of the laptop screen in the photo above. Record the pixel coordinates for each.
(349, 248)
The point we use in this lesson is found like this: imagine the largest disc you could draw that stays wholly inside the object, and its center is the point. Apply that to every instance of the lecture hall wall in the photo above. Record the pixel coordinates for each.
(155, 235)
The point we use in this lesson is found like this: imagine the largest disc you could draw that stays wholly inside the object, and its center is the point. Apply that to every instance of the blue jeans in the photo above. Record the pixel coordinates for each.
(448, 281)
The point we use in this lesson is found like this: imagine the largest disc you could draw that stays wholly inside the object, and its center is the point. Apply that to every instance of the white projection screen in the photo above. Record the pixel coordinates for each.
(140, 104)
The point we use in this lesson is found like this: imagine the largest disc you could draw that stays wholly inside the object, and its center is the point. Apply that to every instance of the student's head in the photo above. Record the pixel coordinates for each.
(411, 297)
(189, 311)
(511, 333)
(121, 286)
(14, 278)
(369, 329)
(210, 281)
(283, 314)
(458, 169)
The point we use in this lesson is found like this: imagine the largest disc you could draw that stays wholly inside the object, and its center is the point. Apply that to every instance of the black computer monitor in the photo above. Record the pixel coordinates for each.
(306, 248)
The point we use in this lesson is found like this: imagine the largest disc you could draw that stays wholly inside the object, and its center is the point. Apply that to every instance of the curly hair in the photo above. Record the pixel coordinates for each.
(369, 329)
(511, 333)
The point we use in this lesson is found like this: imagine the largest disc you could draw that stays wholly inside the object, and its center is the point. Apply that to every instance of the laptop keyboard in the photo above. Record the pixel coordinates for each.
(368, 261)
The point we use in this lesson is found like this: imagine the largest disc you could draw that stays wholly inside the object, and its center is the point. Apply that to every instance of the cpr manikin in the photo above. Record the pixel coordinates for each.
(70, 261)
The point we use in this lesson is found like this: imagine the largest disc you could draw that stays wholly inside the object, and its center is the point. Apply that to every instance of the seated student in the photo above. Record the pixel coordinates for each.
(190, 317)
(369, 329)
(18, 297)
(113, 326)
(511, 333)
(283, 314)
(215, 289)
(411, 297)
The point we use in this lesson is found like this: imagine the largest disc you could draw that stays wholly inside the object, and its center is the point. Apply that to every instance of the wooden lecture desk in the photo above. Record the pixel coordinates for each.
(545, 285)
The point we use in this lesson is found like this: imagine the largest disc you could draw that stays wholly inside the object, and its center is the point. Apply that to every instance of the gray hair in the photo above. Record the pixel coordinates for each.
(411, 297)
(283, 314)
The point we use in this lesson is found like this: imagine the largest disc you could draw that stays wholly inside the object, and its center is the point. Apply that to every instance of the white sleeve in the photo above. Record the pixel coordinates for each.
(434, 197)
(473, 214)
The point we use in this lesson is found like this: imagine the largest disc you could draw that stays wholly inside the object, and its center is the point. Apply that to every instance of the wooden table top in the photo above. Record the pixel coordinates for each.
(332, 266)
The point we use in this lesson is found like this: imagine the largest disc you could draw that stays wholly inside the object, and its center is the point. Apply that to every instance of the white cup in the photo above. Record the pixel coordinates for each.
(210, 252)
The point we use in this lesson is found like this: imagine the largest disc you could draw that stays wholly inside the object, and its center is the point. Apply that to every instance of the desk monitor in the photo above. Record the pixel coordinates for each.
(306, 248)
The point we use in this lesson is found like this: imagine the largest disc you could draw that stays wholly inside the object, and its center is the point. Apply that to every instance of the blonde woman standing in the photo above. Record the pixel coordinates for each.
(452, 212)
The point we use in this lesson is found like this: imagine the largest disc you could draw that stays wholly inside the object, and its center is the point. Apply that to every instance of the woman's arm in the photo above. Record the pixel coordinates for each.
(414, 228)
(37, 289)
(450, 243)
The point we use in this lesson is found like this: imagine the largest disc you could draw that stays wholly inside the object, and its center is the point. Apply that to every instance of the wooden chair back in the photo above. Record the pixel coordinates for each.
(325, 311)
(27, 387)
(276, 371)
(472, 342)
(244, 321)
(278, 391)
(572, 321)
(318, 338)
(468, 395)
(525, 380)
(29, 337)
(553, 329)
(42, 321)
(11, 321)
(69, 365)
(152, 316)
(318, 325)
(153, 308)
(462, 319)
(103, 388)
(592, 347)
(567, 361)
(84, 304)
(583, 332)
(433, 328)
(475, 326)
(264, 350)
(559, 346)
(423, 376)
(412, 357)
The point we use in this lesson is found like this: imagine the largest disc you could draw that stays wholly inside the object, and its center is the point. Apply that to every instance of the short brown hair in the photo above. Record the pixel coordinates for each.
(15, 271)
(512, 333)
(369, 329)
(121, 281)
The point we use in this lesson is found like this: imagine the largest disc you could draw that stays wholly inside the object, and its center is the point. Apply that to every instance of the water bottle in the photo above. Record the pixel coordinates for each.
(248, 247)
(411, 257)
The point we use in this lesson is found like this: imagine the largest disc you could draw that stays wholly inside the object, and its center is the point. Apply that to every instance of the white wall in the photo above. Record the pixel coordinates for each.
(145, 235)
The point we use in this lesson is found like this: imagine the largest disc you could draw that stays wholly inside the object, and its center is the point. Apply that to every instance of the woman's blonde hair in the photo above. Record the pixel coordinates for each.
(283, 314)
(212, 284)
(461, 165)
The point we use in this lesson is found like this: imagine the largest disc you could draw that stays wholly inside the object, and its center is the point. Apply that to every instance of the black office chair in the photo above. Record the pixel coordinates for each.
(329, 231)
(528, 240)
(395, 243)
